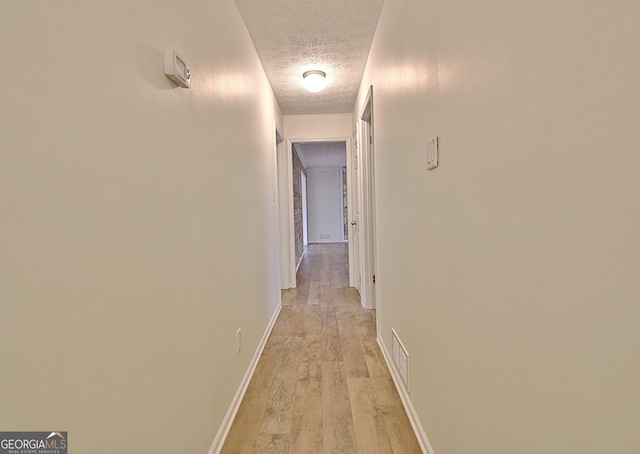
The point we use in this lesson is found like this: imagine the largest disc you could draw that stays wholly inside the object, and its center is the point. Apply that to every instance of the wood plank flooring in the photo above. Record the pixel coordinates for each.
(321, 385)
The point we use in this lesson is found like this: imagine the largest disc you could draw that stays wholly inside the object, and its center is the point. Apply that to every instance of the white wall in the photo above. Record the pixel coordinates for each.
(511, 271)
(324, 194)
(330, 126)
(122, 282)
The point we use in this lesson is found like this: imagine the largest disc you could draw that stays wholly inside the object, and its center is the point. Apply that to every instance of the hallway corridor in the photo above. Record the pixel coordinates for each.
(321, 385)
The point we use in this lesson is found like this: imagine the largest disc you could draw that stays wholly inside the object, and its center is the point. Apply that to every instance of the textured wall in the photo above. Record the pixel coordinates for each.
(127, 265)
(511, 271)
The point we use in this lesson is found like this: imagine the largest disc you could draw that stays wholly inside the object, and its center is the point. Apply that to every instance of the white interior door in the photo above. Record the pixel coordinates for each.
(367, 218)
(353, 180)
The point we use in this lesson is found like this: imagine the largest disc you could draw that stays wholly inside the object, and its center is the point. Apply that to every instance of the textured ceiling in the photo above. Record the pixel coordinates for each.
(294, 36)
(322, 154)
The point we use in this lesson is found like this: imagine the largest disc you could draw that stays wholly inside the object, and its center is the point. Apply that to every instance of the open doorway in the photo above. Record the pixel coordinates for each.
(323, 165)
(313, 196)
(357, 228)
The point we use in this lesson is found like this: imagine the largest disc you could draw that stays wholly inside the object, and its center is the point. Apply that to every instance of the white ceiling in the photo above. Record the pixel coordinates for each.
(322, 154)
(294, 36)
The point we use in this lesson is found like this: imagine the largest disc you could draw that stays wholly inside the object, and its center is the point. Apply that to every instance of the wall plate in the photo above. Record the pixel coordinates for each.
(432, 153)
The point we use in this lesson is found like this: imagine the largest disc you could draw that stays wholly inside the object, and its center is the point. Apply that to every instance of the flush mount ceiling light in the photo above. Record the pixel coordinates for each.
(314, 80)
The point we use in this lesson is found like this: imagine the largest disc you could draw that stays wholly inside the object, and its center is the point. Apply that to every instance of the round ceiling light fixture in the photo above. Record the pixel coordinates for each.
(314, 80)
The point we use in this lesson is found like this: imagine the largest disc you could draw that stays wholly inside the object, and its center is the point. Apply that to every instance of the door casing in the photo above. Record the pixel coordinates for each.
(367, 216)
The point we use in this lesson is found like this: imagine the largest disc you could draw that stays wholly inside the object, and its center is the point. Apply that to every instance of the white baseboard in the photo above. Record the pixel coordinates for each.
(299, 261)
(406, 401)
(223, 431)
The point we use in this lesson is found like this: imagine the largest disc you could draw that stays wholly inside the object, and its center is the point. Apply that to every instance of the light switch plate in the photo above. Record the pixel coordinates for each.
(432, 153)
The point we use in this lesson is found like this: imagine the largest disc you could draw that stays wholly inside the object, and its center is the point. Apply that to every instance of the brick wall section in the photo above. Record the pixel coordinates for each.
(297, 204)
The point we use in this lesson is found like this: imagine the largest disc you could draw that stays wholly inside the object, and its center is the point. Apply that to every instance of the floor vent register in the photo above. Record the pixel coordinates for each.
(400, 358)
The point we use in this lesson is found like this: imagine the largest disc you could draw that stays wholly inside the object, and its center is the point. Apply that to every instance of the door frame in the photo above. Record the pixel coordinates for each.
(305, 221)
(285, 212)
(285, 170)
(353, 210)
(368, 213)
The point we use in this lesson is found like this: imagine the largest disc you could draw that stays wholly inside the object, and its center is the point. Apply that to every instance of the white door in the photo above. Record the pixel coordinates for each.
(367, 219)
(355, 274)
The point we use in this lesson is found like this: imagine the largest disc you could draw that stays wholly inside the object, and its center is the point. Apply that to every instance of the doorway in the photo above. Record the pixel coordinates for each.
(312, 196)
(320, 164)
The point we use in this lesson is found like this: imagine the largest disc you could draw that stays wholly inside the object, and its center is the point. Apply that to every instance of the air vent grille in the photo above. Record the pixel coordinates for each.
(400, 358)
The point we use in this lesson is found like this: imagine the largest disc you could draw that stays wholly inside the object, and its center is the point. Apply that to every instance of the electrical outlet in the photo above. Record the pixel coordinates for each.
(238, 341)
(432, 153)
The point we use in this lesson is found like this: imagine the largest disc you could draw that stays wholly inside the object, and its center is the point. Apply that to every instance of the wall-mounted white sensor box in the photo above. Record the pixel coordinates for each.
(176, 69)
(432, 154)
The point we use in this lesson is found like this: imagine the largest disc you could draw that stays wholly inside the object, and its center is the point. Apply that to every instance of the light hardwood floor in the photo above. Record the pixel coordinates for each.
(321, 385)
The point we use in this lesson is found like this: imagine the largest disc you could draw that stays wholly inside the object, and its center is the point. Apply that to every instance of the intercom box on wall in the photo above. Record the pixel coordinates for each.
(176, 69)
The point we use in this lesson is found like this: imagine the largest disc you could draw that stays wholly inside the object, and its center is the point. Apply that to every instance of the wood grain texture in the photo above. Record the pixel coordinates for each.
(321, 385)
(369, 423)
(338, 432)
(306, 432)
